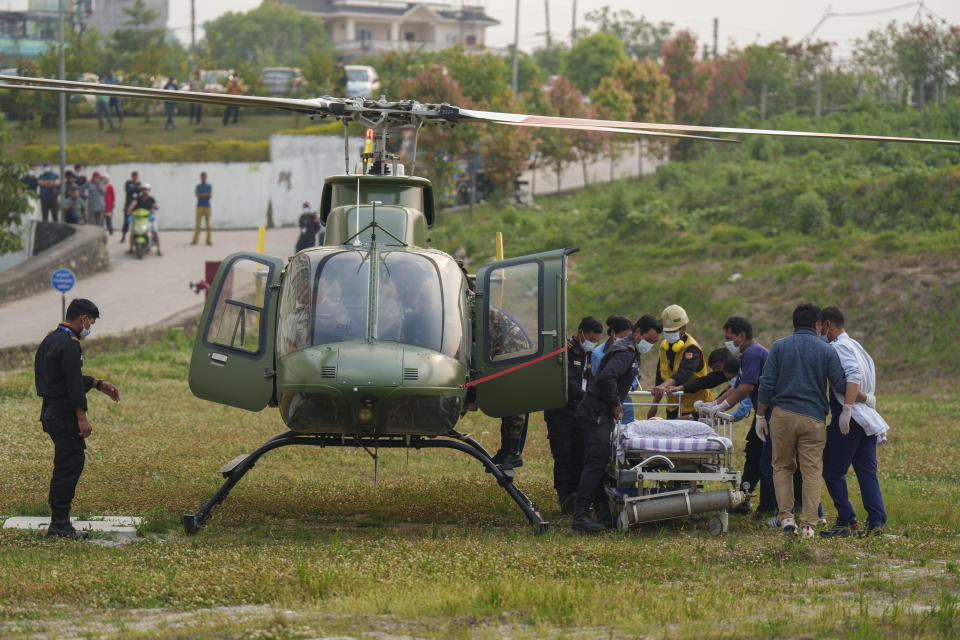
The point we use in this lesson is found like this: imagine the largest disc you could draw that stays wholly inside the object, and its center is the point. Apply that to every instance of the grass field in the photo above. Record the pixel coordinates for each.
(305, 548)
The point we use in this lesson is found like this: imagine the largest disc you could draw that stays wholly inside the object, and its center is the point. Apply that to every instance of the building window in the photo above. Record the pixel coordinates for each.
(471, 41)
(409, 36)
(452, 38)
(364, 34)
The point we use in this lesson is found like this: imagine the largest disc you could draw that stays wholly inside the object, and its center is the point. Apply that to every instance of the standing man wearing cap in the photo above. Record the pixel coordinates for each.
(60, 382)
(681, 359)
(203, 192)
(131, 190)
(309, 226)
(48, 188)
(601, 406)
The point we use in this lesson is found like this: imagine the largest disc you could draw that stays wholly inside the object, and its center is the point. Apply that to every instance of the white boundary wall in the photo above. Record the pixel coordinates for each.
(243, 191)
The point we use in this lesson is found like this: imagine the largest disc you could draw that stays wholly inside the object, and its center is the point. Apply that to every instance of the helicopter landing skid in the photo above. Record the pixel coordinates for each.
(234, 470)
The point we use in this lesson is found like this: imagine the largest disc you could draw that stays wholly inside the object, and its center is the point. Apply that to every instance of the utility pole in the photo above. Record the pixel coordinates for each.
(546, 15)
(193, 28)
(62, 115)
(716, 31)
(573, 27)
(516, 43)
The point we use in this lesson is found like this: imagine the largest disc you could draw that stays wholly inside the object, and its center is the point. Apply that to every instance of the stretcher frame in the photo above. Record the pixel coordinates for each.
(655, 475)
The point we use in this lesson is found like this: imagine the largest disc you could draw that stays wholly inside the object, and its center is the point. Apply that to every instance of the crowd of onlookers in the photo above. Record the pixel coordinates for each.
(85, 200)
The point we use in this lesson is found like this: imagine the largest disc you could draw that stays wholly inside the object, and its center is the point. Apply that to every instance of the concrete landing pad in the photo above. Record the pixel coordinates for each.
(124, 525)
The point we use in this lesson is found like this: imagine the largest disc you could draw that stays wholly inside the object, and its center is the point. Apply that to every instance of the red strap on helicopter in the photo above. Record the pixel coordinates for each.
(512, 369)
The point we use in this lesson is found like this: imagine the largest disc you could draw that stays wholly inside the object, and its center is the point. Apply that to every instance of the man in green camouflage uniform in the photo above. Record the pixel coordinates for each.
(507, 339)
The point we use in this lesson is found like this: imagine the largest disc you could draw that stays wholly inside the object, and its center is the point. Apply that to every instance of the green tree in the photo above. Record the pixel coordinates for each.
(640, 37)
(593, 58)
(692, 81)
(270, 35)
(14, 201)
(613, 102)
(551, 59)
(441, 148)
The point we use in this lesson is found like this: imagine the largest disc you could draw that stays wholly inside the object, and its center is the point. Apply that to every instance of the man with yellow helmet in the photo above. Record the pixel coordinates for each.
(681, 360)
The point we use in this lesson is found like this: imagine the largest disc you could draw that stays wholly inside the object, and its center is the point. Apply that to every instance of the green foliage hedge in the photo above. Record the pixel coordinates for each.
(201, 151)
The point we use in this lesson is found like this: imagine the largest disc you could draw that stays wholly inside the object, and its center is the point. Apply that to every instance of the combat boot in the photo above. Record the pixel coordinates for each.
(582, 521)
(508, 457)
(602, 511)
(64, 529)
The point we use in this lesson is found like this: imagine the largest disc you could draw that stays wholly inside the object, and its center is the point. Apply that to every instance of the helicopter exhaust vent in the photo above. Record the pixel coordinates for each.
(328, 372)
(411, 373)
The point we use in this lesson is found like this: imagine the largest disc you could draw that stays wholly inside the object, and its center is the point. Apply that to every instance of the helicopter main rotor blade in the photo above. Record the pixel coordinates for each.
(319, 106)
(636, 132)
(521, 119)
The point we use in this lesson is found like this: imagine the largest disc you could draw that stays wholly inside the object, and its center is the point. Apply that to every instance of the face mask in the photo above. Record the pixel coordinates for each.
(671, 336)
(643, 346)
(588, 345)
(823, 337)
(731, 347)
(84, 333)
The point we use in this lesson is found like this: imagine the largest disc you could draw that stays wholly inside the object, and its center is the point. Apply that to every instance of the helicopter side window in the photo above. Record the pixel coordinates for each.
(514, 319)
(296, 308)
(409, 300)
(235, 321)
(341, 299)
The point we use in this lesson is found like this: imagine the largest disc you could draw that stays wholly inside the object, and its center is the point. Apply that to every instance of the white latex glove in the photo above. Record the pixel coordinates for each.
(717, 408)
(701, 405)
(845, 419)
(871, 401)
(762, 429)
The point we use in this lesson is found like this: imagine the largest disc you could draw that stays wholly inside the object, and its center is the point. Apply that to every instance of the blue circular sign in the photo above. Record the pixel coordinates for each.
(62, 280)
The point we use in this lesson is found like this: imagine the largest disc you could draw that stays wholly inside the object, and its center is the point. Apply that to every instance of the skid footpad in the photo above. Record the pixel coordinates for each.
(228, 468)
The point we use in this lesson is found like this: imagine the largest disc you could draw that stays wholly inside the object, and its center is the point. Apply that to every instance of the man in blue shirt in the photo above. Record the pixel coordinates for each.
(738, 339)
(203, 192)
(48, 188)
(794, 384)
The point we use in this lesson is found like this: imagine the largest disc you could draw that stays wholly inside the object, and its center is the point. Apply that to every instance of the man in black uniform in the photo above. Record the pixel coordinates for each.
(63, 387)
(563, 430)
(602, 404)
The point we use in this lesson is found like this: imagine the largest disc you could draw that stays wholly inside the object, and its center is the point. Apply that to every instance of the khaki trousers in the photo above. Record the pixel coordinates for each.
(203, 213)
(795, 436)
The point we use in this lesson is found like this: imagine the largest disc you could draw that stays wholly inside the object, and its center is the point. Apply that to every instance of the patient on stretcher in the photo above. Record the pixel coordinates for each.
(668, 436)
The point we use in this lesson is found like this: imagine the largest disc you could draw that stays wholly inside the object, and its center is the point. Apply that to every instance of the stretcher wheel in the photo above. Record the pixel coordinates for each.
(715, 526)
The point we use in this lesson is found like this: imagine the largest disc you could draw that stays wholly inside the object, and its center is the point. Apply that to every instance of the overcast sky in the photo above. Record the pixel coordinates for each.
(741, 21)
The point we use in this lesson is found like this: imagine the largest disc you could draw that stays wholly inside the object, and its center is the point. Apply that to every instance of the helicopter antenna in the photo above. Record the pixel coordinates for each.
(346, 148)
(356, 238)
(416, 137)
(373, 224)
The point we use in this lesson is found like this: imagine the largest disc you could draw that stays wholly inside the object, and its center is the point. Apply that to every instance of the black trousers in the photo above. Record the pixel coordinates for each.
(597, 426)
(566, 446)
(60, 423)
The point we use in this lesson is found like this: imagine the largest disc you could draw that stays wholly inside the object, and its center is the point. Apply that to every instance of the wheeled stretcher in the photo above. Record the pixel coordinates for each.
(660, 469)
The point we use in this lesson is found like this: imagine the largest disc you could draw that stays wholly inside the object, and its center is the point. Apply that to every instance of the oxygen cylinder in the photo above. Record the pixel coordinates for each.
(680, 505)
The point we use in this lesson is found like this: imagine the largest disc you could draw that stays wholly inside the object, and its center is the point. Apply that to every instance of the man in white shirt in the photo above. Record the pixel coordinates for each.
(854, 432)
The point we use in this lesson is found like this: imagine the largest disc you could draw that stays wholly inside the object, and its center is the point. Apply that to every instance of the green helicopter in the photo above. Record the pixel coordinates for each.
(375, 340)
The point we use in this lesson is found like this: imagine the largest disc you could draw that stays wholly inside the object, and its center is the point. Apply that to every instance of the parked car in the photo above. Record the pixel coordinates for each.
(283, 81)
(362, 81)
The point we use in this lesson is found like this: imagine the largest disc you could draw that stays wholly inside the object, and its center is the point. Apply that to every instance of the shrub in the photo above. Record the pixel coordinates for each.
(811, 214)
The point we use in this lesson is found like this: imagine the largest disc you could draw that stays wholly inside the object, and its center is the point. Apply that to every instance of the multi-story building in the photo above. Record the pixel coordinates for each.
(364, 26)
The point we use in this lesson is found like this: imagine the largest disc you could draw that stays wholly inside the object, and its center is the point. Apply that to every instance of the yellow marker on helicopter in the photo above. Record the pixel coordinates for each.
(368, 143)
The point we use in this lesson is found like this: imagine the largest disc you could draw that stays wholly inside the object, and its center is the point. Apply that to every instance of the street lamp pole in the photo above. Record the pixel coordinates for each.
(62, 118)
(516, 42)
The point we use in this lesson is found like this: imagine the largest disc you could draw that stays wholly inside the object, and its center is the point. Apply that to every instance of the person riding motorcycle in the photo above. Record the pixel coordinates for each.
(147, 202)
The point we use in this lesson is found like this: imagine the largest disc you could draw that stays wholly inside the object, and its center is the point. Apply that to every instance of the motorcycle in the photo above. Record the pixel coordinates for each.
(140, 225)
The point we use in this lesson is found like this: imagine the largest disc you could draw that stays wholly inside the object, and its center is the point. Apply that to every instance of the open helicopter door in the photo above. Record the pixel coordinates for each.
(520, 318)
(233, 356)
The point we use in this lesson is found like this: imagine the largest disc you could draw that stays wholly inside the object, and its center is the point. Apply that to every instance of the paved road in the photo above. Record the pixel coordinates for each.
(135, 293)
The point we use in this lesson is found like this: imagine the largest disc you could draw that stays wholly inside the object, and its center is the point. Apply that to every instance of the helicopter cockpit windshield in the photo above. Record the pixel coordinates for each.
(327, 300)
